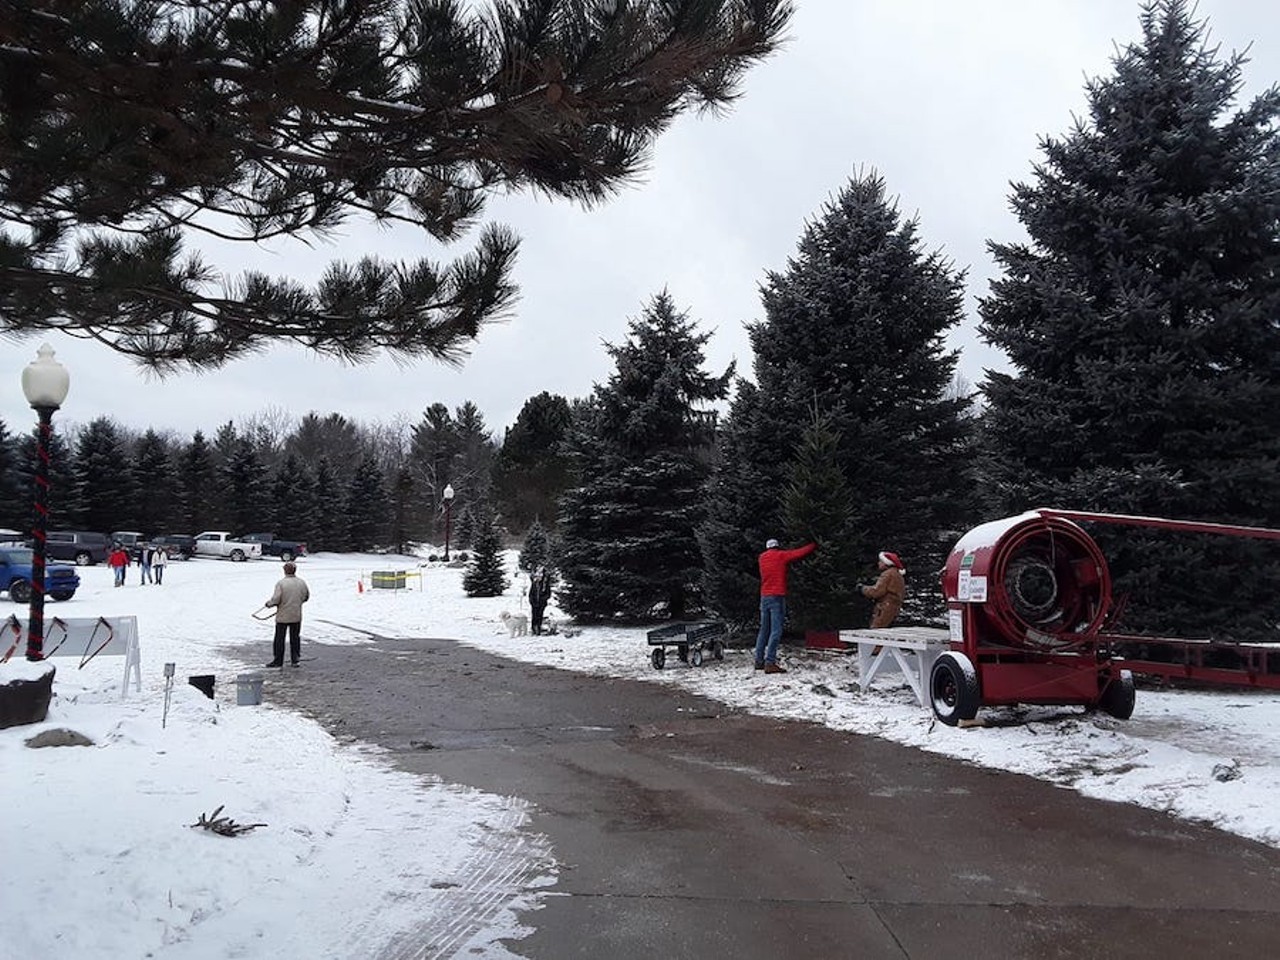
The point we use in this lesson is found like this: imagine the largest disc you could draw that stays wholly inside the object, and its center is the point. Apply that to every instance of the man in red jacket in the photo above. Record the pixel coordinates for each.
(773, 601)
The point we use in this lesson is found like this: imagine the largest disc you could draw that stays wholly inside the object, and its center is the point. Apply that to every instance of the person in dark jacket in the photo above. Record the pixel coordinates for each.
(773, 601)
(539, 594)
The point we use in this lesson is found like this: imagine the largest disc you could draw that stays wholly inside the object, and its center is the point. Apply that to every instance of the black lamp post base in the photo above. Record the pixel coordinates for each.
(25, 701)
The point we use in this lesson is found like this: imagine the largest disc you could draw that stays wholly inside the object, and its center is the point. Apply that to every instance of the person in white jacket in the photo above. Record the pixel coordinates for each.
(288, 597)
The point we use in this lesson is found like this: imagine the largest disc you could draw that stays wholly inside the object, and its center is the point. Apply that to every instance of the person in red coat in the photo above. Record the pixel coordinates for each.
(118, 560)
(773, 601)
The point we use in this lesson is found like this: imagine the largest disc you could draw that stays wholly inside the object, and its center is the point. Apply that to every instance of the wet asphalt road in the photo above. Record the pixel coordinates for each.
(686, 829)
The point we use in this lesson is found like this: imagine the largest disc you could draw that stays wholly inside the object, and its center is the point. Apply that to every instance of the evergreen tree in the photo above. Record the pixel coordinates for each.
(244, 483)
(65, 509)
(742, 511)
(856, 327)
(331, 514)
(485, 575)
(1140, 320)
(156, 485)
(15, 511)
(464, 527)
(531, 470)
(368, 510)
(536, 551)
(822, 595)
(433, 448)
(102, 477)
(288, 119)
(473, 465)
(196, 482)
(640, 453)
(293, 500)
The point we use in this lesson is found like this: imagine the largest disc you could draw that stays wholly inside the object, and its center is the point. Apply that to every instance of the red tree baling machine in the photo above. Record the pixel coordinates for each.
(1030, 612)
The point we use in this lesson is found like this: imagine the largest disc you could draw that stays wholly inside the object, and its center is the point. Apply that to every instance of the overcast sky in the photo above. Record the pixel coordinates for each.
(946, 100)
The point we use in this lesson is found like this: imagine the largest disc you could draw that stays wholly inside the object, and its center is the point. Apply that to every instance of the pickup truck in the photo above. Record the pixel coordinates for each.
(220, 543)
(60, 579)
(273, 546)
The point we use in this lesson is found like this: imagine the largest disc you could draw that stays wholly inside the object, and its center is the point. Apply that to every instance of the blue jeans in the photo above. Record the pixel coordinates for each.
(772, 612)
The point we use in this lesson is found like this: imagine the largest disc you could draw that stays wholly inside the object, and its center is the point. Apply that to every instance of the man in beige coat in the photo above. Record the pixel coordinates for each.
(288, 597)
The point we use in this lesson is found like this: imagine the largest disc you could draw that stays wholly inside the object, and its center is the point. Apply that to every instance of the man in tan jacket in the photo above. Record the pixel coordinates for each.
(288, 597)
(888, 590)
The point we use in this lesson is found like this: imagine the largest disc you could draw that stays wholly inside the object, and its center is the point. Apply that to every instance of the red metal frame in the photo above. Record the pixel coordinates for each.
(1030, 597)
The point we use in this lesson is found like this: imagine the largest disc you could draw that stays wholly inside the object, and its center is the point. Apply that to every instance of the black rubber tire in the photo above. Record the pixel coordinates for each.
(237, 556)
(1119, 696)
(83, 559)
(63, 595)
(20, 591)
(658, 658)
(717, 649)
(695, 657)
(953, 688)
(286, 555)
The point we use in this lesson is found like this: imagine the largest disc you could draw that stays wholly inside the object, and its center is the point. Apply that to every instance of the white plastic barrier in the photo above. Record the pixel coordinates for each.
(87, 638)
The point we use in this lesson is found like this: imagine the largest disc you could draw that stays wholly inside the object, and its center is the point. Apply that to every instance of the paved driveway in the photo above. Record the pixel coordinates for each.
(687, 829)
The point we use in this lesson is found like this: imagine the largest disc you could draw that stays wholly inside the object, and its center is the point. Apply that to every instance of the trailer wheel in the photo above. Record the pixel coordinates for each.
(695, 657)
(717, 649)
(953, 688)
(658, 658)
(1118, 697)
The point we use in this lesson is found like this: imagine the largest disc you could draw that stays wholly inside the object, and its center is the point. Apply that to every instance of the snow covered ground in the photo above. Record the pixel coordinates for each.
(355, 858)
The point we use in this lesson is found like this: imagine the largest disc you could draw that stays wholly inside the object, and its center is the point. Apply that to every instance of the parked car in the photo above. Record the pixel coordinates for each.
(78, 546)
(60, 580)
(178, 546)
(273, 546)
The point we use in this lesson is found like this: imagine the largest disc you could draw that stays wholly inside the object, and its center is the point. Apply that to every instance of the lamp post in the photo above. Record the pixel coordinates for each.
(447, 493)
(45, 383)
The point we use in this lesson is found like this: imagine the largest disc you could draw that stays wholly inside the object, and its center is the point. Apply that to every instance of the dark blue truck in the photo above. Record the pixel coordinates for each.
(273, 546)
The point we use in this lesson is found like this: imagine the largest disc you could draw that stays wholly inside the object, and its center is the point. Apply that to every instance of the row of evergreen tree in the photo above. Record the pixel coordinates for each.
(1141, 317)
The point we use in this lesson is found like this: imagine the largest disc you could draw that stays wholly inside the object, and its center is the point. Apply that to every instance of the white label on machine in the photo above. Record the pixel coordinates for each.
(962, 586)
(955, 625)
(978, 589)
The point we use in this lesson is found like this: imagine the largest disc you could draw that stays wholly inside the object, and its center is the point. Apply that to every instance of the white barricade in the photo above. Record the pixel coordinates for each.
(912, 650)
(88, 638)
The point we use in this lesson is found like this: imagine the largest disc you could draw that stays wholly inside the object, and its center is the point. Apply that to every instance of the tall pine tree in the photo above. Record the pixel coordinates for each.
(1140, 320)
(485, 576)
(855, 327)
(640, 455)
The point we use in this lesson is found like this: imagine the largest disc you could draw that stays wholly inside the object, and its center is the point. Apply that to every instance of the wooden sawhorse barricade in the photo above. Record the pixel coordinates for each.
(86, 638)
(909, 649)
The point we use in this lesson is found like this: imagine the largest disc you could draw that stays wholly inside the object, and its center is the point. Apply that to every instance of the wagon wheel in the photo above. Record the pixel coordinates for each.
(658, 658)
(953, 688)
(695, 657)
(717, 649)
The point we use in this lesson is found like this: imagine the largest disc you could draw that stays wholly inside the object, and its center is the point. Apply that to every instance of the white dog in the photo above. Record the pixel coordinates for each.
(517, 624)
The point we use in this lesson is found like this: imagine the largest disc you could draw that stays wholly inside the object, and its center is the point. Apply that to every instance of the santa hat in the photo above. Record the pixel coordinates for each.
(892, 560)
